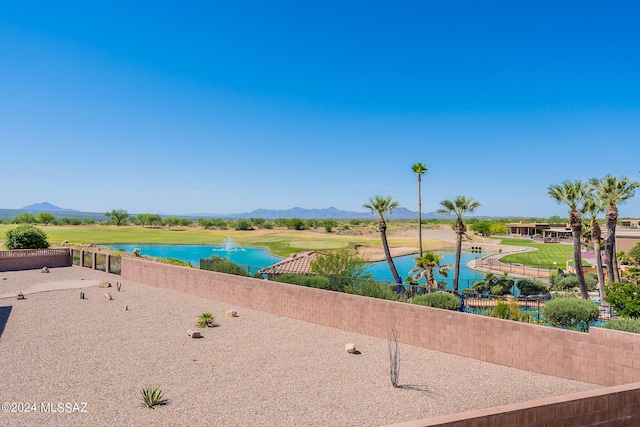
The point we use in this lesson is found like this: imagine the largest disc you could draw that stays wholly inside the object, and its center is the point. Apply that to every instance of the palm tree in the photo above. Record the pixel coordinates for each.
(384, 205)
(420, 169)
(613, 191)
(572, 193)
(592, 208)
(426, 266)
(460, 206)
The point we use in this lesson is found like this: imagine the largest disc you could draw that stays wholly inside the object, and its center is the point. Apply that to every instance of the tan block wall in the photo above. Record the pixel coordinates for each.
(38, 259)
(613, 406)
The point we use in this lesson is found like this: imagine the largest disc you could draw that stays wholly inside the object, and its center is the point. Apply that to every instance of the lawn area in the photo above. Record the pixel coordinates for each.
(282, 242)
(544, 257)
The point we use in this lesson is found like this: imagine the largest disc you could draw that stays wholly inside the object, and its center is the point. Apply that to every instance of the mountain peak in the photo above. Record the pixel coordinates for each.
(43, 207)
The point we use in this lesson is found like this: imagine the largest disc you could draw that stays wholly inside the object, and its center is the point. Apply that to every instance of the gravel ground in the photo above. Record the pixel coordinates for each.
(254, 369)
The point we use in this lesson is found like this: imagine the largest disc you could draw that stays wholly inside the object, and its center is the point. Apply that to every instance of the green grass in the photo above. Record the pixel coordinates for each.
(279, 242)
(544, 257)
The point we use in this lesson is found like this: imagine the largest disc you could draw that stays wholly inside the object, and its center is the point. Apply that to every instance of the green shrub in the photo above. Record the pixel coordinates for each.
(568, 281)
(221, 265)
(634, 254)
(510, 310)
(206, 320)
(531, 287)
(242, 224)
(25, 236)
(443, 300)
(369, 288)
(152, 396)
(500, 310)
(624, 298)
(626, 325)
(312, 281)
(571, 313)
(631, 275)
(175, 261)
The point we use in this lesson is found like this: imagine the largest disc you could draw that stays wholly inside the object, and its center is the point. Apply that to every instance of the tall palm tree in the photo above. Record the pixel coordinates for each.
(460, 206)
(613, 191)
(592, 208)
(426, 266)
(572, 193)
(384, 205)
(420, 169)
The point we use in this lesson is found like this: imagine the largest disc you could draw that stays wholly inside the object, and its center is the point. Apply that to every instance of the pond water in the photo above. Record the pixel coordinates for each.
(405, 264)
(256, 258)
(253, 259)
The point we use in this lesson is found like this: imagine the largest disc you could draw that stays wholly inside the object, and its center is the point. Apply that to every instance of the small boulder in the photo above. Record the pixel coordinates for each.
(4, 277)
(108, 296)
(194, 334)
(20, 295)
(350, 347)
(232, 313)
(105, 285)
(44, 270)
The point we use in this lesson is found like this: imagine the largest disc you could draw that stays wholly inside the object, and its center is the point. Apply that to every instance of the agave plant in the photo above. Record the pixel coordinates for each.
(152, 396)
(206, 320)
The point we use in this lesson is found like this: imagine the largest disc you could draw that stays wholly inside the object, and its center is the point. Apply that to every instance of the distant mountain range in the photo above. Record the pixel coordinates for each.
(297, 212)
(328, 213)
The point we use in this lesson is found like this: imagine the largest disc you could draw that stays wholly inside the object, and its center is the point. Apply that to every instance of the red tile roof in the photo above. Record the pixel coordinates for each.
(299, 263)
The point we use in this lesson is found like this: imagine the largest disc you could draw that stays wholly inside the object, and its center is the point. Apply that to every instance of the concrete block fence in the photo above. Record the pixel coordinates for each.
(31, 259)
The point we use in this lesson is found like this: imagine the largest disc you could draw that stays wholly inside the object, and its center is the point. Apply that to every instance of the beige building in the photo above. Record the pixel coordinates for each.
(627, 234)
(550, 233)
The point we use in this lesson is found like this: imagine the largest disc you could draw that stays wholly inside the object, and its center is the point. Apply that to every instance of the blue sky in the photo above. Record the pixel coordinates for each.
(227, 107)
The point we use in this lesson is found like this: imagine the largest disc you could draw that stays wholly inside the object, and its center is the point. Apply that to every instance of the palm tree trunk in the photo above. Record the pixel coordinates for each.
(382, 226)
(596, 236)
(614, 260)
(609, 247)
(420, 213)
(456, 273)
(576, 229)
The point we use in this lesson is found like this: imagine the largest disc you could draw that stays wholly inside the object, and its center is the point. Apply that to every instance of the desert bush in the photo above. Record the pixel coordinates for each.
(624, 298)
(25, 236)
(342, 267)
(153, 396)
(221, 265)
(626, 325)
(370, 288)
(295, 224)
(312, 281)
(443, 300)
(206, 320)
(175, 261)
(532, 287)
(568, 281)
(634, 254)
(571, 313)
(24, 218)
(500, 310)
(495, 285)
(631, 275)
(242, 224)
(510, 310)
